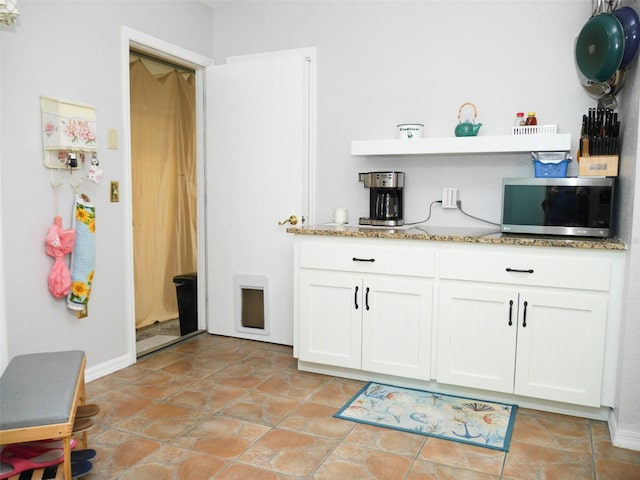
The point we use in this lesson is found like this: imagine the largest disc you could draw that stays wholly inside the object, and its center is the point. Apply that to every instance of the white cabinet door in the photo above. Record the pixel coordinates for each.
(396, 326)
(539, 343)
(477, 327)
(560, 351)
(330, 318)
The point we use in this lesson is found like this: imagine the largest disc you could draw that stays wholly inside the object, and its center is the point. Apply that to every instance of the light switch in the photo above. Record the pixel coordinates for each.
(112, 139)
(115, 191)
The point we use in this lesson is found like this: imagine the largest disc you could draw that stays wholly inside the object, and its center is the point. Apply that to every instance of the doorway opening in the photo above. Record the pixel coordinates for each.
(164, 195)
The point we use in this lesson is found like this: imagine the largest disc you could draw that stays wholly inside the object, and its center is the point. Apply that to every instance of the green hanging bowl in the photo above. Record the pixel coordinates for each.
(600, 47)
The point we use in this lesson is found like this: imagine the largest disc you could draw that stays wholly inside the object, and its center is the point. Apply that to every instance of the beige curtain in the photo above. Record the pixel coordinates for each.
(163, 163)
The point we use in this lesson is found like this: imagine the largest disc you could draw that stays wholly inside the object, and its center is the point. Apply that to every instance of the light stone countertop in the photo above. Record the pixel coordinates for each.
(457, 234)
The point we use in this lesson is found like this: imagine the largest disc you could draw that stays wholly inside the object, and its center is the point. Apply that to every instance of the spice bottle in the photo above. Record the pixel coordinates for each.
(519, 121)
(531, 119)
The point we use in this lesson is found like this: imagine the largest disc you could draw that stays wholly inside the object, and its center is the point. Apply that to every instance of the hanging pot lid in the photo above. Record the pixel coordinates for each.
(600, 47)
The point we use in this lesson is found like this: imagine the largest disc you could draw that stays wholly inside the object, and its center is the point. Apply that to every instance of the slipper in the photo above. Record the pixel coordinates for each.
(44, 445)
(82, 425)
(21, 451)
(52, 457)
(86, 411)
(79, 469)
(33, 449)
(82, 455)
(17, 450)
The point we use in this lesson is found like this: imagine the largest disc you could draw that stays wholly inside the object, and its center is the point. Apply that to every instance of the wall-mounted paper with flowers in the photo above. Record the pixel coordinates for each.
(67, 127)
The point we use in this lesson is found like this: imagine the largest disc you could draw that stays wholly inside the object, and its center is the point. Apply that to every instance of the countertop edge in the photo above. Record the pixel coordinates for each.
(458, 236)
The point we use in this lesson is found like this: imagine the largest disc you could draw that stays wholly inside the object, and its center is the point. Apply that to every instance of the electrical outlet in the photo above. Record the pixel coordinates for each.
(450, 197)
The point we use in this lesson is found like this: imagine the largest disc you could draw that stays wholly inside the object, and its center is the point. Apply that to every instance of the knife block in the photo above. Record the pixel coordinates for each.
(597, 166)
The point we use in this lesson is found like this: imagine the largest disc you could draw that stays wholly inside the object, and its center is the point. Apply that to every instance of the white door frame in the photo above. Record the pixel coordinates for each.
(165, 51)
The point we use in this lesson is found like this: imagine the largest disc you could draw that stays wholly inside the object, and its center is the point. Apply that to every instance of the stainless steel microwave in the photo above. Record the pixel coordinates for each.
(575, 206)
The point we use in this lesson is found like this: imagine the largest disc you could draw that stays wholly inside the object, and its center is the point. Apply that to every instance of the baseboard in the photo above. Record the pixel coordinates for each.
(623, 438)
(99, 371)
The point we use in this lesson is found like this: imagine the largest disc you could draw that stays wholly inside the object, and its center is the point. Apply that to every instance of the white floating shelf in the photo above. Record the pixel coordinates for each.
(446, 145)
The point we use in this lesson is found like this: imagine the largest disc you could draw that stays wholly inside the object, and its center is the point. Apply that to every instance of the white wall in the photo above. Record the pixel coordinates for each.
(4, 346)
(627, 415)
(72, 50)
(384, 63)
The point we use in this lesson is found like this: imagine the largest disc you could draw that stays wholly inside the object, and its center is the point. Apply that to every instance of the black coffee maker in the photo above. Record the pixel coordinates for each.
(385, 198)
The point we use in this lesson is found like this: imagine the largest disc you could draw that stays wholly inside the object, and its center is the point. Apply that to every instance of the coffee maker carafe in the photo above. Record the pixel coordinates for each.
(385, 198)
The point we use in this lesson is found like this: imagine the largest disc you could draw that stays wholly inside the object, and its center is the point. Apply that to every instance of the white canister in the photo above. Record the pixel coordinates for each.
(340, 216)
(407, 131)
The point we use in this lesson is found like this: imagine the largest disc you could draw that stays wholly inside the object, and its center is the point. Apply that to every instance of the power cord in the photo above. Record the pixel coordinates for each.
(459, 203)
(426, 219)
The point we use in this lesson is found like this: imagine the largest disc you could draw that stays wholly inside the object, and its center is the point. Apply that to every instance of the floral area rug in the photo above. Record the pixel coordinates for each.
(476, 422)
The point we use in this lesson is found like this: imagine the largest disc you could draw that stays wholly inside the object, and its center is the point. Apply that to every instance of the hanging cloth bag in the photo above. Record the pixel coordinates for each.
(83, 258)
(58, 243)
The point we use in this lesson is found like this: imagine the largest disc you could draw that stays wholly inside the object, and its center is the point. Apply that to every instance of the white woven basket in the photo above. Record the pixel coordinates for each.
(534, 130)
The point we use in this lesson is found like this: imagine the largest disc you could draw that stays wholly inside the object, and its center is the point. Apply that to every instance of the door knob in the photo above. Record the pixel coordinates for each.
(293, 220)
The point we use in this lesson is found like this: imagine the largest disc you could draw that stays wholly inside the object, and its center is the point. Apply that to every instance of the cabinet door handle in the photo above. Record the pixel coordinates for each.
(355, 298)
(518, 270)
(366, 299)
(510, 312)
(356, 259)
(524, 315)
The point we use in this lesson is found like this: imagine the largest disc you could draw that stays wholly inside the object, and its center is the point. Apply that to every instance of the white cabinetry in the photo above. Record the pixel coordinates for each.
(475, 348)
(365, 306)
(396, 326)
(536, 325)
(518, 335)
(331, 330)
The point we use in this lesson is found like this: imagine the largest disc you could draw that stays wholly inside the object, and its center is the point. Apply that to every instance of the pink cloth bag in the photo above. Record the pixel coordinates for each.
(58, 243)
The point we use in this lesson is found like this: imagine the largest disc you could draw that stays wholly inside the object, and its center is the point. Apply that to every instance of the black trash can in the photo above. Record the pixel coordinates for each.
(187, 293)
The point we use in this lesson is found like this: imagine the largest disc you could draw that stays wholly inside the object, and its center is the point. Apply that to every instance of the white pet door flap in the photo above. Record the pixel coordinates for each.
(251, 300)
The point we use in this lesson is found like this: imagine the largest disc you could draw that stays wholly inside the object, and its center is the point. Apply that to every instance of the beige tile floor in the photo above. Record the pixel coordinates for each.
(221, 408)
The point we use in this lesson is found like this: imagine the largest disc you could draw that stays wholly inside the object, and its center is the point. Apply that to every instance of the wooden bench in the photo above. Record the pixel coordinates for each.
(39, 395)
